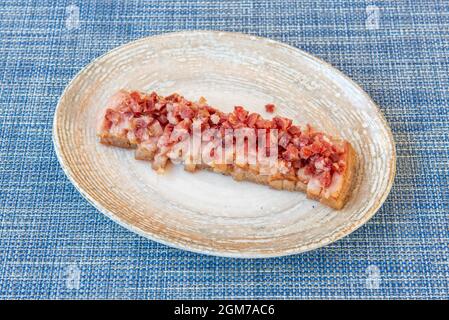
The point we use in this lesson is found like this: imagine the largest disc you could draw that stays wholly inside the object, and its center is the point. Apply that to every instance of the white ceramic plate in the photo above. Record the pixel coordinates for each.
(206, 212)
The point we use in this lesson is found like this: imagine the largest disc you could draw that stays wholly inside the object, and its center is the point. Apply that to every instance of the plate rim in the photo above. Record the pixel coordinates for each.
(202, 249)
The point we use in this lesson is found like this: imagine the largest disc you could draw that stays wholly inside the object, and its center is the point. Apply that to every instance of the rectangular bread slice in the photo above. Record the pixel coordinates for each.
(159, 128)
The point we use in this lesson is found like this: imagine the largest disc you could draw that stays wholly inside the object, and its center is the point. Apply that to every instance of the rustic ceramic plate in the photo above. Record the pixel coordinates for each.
(206, 212)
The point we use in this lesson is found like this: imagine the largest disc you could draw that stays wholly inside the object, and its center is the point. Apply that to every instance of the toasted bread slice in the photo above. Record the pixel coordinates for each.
(143, 122)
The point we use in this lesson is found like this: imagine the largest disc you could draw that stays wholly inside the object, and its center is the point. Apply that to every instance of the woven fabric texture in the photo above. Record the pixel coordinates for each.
(54, 244)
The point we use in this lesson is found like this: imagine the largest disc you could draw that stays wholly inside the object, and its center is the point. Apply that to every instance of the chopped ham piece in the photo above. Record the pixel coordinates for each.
(270, 107)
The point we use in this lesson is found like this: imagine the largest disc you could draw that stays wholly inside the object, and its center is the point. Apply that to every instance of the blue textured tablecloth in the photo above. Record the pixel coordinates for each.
(53, 244)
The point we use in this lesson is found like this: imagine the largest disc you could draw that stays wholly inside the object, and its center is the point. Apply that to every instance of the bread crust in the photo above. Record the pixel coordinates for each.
(348, 182)
(116, 141)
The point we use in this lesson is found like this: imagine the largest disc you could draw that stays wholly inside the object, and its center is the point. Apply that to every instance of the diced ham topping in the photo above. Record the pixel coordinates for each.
(155, 129)
(284, 139)
(112, 116)
(186, 112)
(240, 113)
(291, 153)
(325, 179)
(215, 119)
(151, 115)
(270, 107)
(263, 124)
(252, 120)
(282, 123)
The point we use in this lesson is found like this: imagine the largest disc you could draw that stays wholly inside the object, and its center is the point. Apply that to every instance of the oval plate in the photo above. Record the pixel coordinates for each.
(206, 212)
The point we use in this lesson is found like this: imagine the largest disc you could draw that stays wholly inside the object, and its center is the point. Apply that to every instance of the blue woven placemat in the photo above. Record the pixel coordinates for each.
(53, 244)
